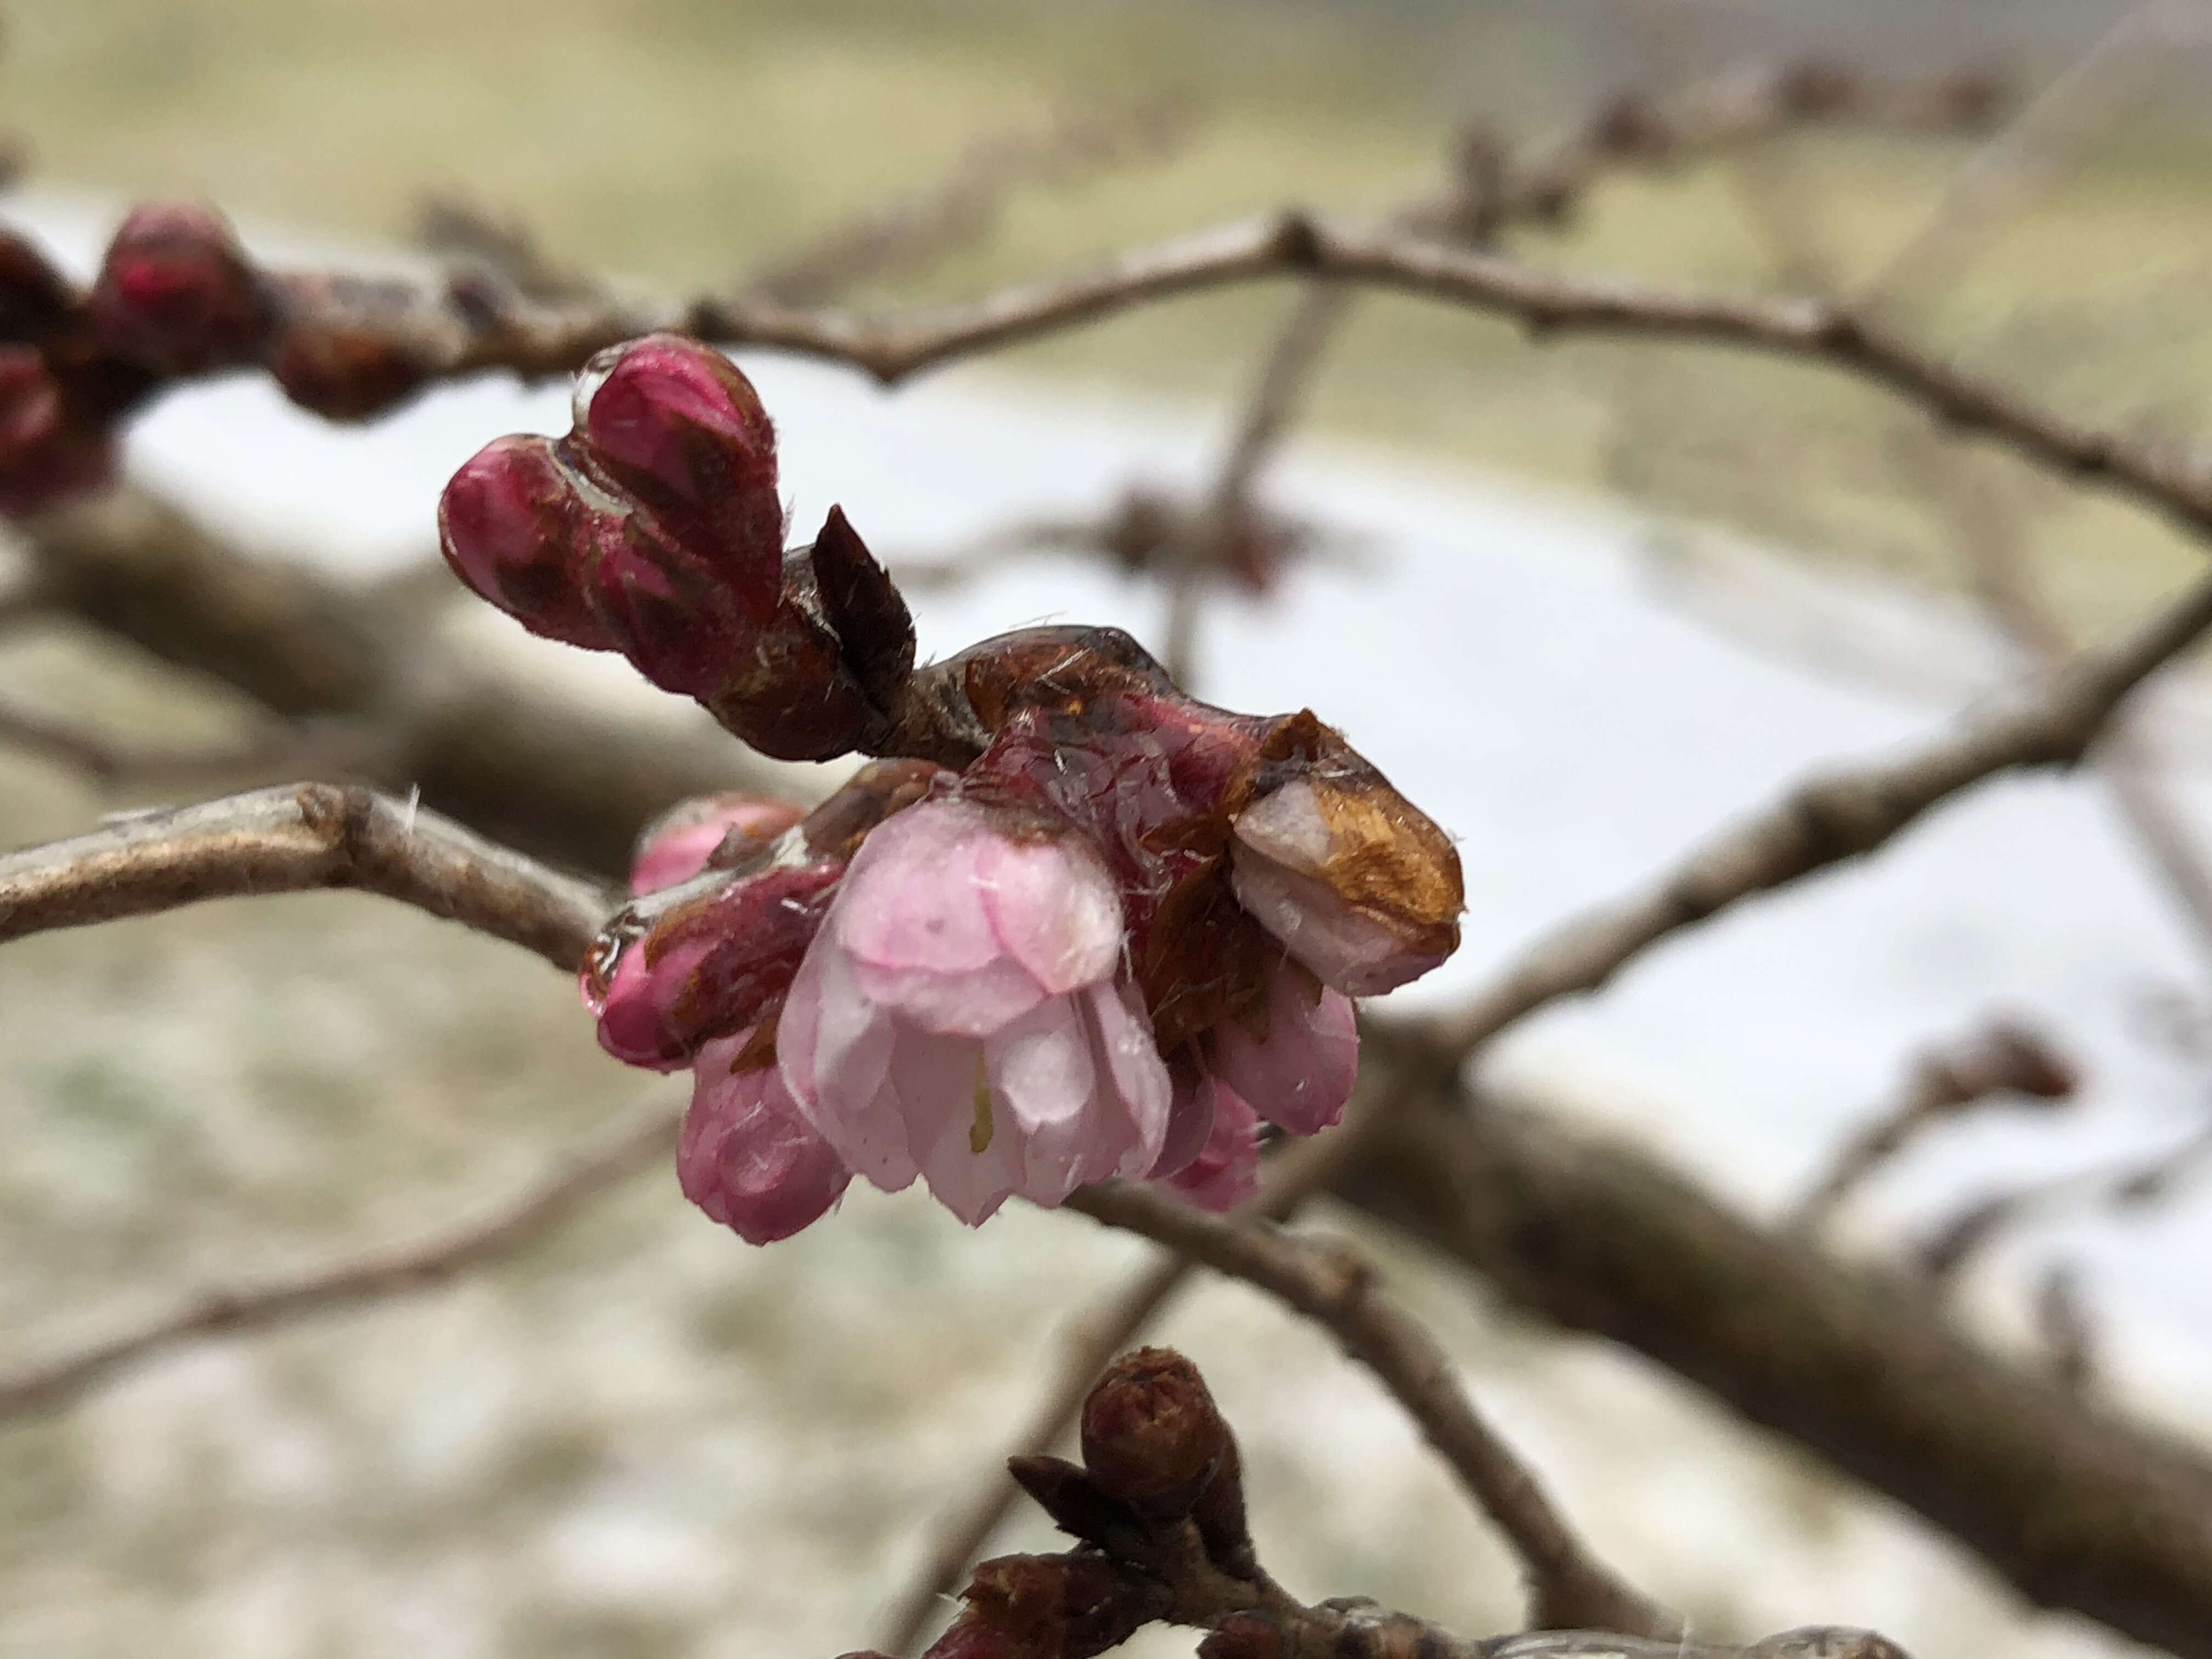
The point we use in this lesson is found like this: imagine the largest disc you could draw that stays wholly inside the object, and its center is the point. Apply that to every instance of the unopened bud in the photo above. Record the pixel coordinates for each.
(176, 292)
(1151, 1435)
(510, 524)
(1354, 882)
(722, 830)
(342, 350)
(678, 426)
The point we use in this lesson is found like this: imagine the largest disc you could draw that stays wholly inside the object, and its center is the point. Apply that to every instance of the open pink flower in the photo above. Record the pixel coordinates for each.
(961, 1016)
(747, 1156)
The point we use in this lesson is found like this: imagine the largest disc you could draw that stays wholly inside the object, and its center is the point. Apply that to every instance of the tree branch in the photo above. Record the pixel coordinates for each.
(2075, 1510)
(1332, 1284)
(297, 839)
(373, 1276)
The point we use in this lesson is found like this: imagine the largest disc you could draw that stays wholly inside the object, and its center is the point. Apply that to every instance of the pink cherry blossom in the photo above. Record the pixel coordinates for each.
(747, 1156)
(962, 1016)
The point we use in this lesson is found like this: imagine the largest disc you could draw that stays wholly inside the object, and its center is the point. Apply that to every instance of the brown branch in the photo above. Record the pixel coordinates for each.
(373, 1276)
(298, 839)
(2068, 1331)
(1829, 818)
(2075, 1510)
(1331, 1284)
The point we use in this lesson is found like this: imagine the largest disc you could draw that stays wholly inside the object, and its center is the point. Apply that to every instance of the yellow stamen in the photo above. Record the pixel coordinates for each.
(981, 1131)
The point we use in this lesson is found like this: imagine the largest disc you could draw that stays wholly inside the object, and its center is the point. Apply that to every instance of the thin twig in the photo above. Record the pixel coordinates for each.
(297, 839)
(1490, 191)
(2002, 1061)
(1833, 816)
(371, 1277)
(967, 203)
(1331, 1284)
(1952, 1248)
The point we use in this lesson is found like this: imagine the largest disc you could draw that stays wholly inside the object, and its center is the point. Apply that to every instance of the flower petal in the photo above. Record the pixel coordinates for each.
(1227, 1173)
(1300, 1074)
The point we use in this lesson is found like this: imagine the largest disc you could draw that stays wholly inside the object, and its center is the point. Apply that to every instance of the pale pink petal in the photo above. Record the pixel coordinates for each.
(973, 1004)
(940, 1082)
(1053, 908)
(913, 899)
(1227, 1173)
(1045, 1086)
(1190, 1121)
(747, 1157)
(1132, 1060)
(1299, 1077)
(834, 1050)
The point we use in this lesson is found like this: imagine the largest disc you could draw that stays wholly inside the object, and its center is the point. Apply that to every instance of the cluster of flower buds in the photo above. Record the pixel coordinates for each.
(177, 297)
(1074, 925)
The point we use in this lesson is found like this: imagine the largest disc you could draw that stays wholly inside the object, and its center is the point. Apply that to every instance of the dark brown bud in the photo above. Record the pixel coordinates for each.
(1151, 1434)
(343, 349)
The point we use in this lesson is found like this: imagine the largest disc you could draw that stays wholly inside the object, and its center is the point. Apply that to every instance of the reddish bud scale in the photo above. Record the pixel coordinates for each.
(176, 292)
(1055, 1607)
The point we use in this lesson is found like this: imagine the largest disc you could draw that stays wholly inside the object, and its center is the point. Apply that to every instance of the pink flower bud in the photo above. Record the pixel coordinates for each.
(510, 524)
(46, 456)
(960, 1016)
(679, 843)
(176, 292)
(669, 611)
(699, 961)
(1356, 884)
(747, 1157)
(675, 424)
